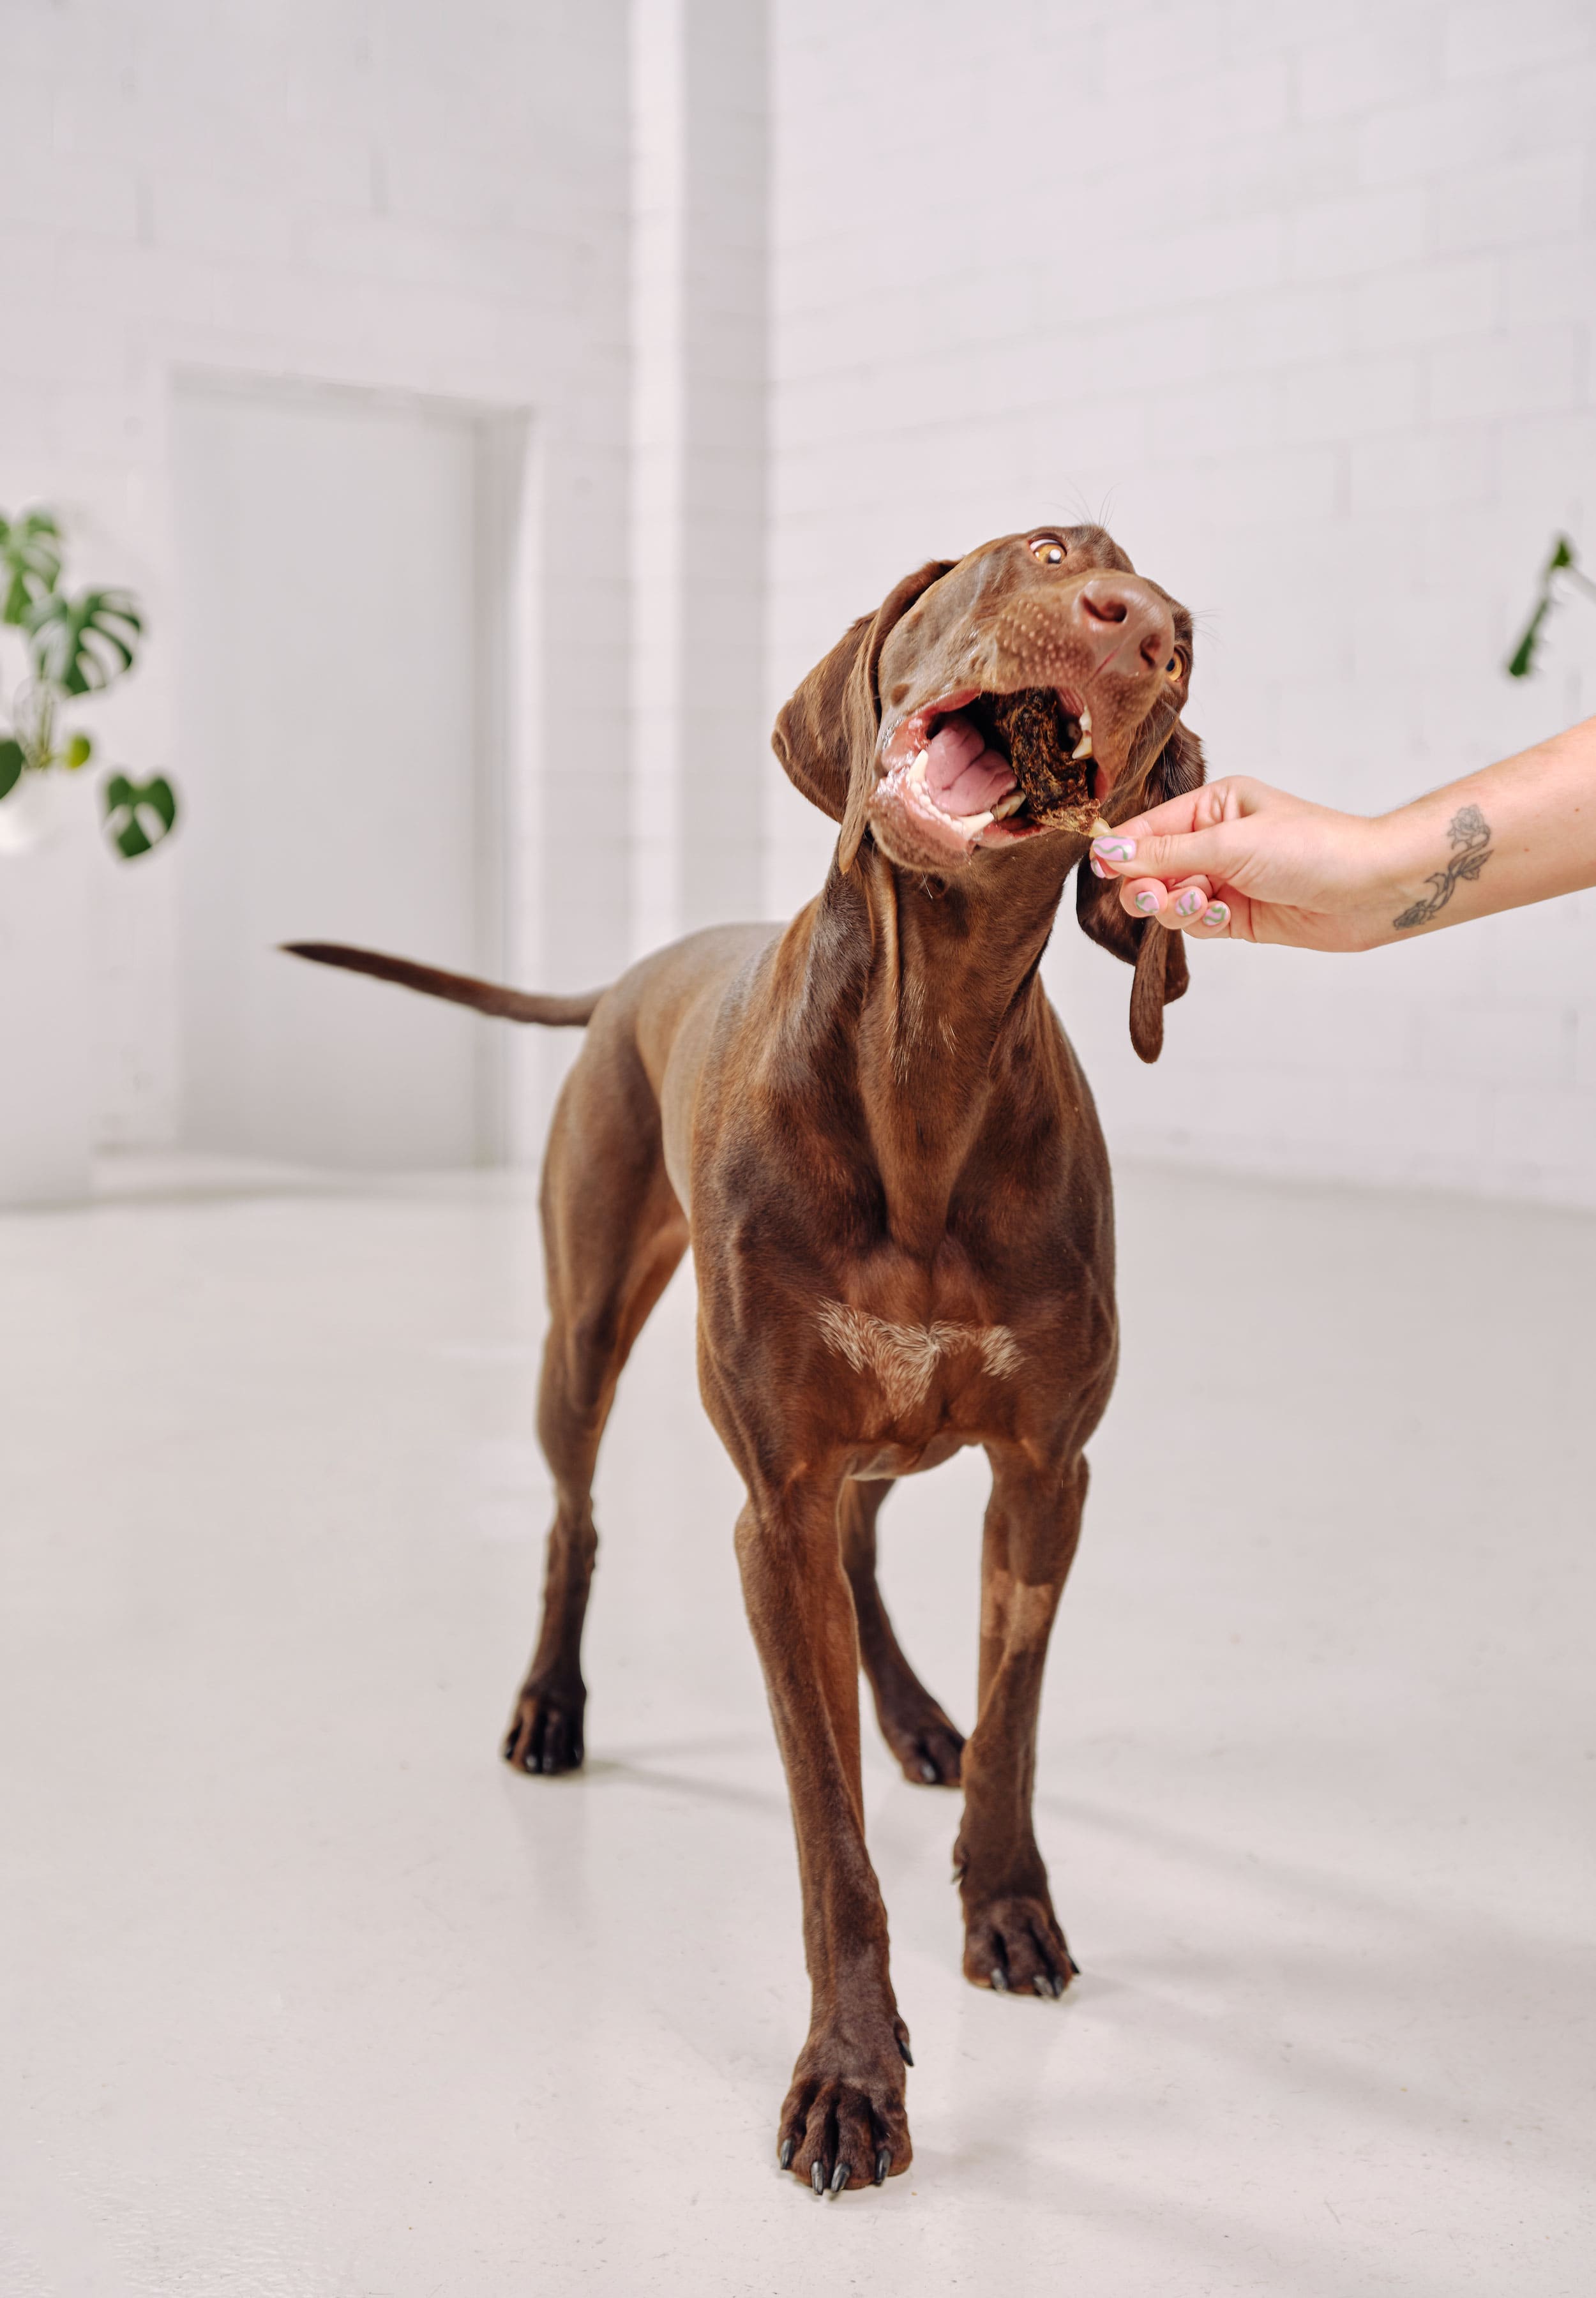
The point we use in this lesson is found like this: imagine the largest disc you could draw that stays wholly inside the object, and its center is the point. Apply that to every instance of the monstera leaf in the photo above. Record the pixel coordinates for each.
(139, 814)
(81, 644)
(29, 562)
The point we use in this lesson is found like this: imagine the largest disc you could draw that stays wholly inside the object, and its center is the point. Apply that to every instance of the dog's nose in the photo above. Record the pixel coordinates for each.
(1127, 624)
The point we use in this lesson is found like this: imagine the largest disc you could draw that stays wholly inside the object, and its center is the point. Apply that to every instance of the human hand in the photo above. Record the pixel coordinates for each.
(1236, 860)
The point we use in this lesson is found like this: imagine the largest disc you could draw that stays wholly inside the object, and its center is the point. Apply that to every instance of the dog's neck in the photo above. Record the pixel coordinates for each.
(940, 984)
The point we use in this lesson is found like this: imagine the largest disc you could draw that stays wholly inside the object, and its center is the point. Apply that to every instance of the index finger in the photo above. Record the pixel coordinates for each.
(1174, 818)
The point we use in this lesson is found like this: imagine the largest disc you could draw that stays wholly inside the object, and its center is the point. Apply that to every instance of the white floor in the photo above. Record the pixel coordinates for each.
(307, 1993)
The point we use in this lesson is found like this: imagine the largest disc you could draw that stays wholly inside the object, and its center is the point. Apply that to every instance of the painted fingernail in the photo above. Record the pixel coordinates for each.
(1115, 849)
(1188, 905)
(1097, 869)
(1148, 902)
(1216, 914)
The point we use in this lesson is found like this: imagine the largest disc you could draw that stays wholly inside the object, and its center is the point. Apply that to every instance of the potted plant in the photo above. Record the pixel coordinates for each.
(63, 646)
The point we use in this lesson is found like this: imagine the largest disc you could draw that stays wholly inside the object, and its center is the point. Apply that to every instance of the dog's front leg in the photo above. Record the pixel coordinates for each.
(843, 2122)
(1012, 1938)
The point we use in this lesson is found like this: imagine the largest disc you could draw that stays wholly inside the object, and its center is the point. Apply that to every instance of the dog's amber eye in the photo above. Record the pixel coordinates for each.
(1173, 667)
(1047, 550)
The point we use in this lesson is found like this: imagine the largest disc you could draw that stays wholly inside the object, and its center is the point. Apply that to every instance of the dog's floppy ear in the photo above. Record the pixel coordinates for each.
(1159, 957)
(825, 735)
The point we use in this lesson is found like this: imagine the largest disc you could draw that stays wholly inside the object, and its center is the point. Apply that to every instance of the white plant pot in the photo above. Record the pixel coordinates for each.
(46, 855)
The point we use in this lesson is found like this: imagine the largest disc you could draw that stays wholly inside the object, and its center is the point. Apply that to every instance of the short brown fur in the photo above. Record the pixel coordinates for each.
(875, 1135)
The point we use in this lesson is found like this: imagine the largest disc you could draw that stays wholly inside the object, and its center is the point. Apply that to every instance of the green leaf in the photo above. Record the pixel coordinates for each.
(81, 644)
(29, 562)
(11, 762)
(77, 753)
(1522, 659)
(139, 814)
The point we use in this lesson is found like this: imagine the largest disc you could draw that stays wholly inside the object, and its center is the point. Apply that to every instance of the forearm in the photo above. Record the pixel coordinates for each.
(1519, 832)
(1240, 860)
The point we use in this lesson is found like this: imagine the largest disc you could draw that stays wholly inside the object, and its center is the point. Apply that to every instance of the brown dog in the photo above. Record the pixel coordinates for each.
(873, 1131)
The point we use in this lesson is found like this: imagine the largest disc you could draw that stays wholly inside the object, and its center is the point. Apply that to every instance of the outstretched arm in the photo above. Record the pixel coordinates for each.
(1239, 860)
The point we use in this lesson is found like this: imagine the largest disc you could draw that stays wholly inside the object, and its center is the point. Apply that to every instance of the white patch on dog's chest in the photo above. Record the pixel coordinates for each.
(903, 1358)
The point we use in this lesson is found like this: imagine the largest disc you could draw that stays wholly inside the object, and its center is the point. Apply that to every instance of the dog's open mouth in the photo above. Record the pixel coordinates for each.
(979, 769)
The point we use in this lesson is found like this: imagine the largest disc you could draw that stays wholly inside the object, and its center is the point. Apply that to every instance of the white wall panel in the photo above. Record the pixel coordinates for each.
(332, 754)
(390, 198)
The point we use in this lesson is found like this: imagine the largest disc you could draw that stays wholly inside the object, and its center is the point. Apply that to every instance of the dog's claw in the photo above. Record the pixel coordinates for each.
(817, 2179)
(545, 1734)
(1015, 1946)
(884, 2163)
(839, 2178)
(905, 2053)
(784, 2156)
(923, 1737)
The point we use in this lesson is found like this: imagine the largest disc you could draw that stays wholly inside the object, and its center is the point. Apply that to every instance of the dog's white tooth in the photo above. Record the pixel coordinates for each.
(1086, 722)
(918, 765)
(973, 822)
(1084, 750)
(1011, 804)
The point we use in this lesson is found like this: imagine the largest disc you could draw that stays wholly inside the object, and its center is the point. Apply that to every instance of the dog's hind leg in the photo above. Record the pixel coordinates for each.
(613, 1234)
(915, 1726)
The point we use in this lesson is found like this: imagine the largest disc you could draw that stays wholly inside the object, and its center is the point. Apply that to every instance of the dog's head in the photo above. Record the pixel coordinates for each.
(897, 735)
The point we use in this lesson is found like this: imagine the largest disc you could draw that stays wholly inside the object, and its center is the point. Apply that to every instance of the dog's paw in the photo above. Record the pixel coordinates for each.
(545, 1732)
(844, 2122)
(926, 1744)
(1015, 1946)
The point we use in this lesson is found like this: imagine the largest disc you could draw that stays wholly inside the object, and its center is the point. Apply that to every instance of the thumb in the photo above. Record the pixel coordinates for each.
(1134, 850)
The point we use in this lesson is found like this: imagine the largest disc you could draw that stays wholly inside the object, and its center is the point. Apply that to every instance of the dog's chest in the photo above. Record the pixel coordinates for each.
(911, 1394)
(905, 1365)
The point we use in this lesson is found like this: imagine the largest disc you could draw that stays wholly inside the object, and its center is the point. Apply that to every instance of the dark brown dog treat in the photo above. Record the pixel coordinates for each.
(1033, 727)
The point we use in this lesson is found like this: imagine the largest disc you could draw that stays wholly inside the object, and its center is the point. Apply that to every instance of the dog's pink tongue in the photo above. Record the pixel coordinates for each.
(961, 773)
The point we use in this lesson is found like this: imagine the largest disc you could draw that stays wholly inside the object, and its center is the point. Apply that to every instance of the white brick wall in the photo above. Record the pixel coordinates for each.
(699, 339)
(372, 193)
(1304, 300)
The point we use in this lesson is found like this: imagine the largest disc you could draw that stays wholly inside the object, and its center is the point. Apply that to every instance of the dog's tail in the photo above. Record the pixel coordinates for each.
(461, 988)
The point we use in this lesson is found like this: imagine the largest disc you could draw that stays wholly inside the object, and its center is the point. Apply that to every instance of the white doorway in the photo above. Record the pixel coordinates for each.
(343, 574)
